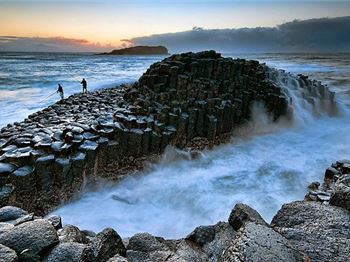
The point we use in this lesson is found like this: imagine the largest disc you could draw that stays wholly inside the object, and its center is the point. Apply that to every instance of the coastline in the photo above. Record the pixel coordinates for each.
(69, 153)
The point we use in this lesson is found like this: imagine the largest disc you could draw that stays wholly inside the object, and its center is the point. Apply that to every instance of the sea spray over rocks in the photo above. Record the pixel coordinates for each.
(244, 237)
(300, 231)
(52, 154)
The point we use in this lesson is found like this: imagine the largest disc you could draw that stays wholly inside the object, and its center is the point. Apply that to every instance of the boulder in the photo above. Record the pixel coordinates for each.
(30, 238)
(224, 234)
(257, 242)
(8, 213)
(145, 242)
(7, 254)
(242, 214)
(107, 244)
(68, 251)
(56, 221)
(202, 235)
(320, 231)
(341, 192)
(145, 247)
(187, 251)
(70, 233)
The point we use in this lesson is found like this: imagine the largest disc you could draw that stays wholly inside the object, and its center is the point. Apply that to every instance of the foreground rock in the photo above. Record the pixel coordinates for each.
(320, 231)
(300, 231)
(255, 242)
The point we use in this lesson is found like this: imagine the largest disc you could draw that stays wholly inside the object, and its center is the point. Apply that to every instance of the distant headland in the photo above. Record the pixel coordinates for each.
(139, 50)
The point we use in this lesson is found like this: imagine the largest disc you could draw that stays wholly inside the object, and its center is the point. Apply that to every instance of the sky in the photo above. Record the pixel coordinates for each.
(104, 24)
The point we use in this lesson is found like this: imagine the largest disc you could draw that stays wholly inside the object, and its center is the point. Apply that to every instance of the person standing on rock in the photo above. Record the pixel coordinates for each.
(60, 91)
(84, 83)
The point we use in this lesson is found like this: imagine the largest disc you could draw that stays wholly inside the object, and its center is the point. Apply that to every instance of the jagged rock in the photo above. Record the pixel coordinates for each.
(68, 251)
(56, 221)
(224, 234)
(257, 242)
(242, 214)
(145, 247)
(8, 213)
(7, 254)
(107, 244)
(70, 233)
(320, 231)
(202, 235)
(187, 251)
(145, 242)
(341, 193)
(29, 239)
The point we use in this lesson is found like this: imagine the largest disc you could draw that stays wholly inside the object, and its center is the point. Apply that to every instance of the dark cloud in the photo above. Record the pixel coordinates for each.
(313, 35)
(52, 44)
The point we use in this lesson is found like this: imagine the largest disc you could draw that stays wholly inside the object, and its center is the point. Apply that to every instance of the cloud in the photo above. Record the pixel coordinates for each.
(50, 44)
(313, 35)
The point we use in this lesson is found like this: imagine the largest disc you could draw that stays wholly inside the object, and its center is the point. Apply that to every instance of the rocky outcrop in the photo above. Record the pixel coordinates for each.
(319, 226)
(54, 153)
(335, 188)
(140, 50)
(300, 231)
(318, 230)
(179, 101)
(38, 240)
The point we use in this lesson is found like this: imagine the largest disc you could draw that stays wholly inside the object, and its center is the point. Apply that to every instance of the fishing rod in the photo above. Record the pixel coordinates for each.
(48, 97)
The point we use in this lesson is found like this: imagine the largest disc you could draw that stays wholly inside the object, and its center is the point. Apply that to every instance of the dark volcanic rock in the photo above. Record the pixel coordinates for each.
(202, 235)
(8, 213)
(320, 231)
(341, 193)
(256, 242)
(72, 252)
(107, 244)
(241, 214)
(145, 247)
(7, 254)
(70, 233)
(31, 238)
(56, 221)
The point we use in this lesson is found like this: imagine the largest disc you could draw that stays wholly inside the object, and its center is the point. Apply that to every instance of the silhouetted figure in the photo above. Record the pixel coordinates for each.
(84, 83)
(60, 91)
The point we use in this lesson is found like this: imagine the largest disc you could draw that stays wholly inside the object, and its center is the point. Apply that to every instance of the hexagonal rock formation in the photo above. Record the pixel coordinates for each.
(49, 156)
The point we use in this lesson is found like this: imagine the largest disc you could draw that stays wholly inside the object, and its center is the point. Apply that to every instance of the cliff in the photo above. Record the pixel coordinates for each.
(140, 50)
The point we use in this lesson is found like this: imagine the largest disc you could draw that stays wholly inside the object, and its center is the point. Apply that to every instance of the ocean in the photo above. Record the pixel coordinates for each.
(265, 165)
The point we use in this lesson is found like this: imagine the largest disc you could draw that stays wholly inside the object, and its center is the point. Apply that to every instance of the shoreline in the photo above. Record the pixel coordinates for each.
(300, 231)
(192, 100)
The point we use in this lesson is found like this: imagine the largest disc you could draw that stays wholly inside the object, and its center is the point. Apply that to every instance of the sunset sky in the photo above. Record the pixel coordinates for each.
(108, 22)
